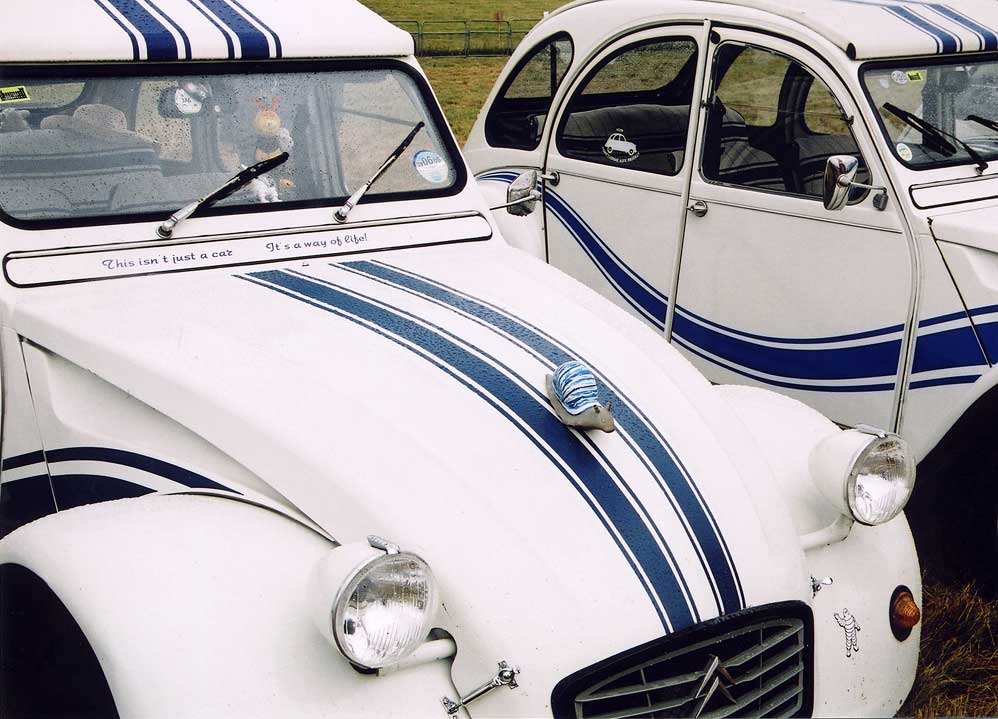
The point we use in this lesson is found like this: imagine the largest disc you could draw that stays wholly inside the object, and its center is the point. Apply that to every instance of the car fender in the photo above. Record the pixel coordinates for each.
(785, 431)
(197, 607)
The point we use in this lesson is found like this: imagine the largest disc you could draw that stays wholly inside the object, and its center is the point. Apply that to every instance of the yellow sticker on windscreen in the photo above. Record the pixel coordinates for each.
(18, 93)
(916, 76)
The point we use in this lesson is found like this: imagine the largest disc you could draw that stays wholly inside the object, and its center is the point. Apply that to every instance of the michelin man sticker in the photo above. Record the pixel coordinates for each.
(848, 623)
(619, 149)
(431, 166)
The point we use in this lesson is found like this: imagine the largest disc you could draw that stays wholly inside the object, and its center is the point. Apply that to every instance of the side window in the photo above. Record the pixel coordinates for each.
(772, 124)
(633, 109)
(517, 116)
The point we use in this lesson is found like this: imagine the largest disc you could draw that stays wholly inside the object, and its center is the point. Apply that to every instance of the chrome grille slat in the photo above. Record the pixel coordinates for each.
(765, 657)
(752, 653)
(769, 664)
(650, 686)
(757, 694)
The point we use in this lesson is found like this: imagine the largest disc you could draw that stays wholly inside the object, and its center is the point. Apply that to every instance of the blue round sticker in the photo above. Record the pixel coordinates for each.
(431, 166)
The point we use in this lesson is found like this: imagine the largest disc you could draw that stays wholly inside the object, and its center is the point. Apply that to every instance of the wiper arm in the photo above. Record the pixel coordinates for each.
(240, 179)
(990, 124)
(341, 214)
(937, 134)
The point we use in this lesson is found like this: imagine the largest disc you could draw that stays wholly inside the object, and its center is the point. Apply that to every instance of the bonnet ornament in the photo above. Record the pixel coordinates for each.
(574, 395)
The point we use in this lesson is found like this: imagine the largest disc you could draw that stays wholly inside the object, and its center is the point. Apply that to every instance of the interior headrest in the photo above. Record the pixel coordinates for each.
(110, 118)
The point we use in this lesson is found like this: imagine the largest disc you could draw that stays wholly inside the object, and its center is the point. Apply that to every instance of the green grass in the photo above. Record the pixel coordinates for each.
(463, 10)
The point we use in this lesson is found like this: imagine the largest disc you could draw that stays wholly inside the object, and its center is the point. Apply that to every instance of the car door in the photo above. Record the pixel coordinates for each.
(775, 290)
(618, 152)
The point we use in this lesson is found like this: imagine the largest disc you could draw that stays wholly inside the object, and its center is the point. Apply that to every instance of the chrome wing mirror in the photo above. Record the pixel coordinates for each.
(840, 178)
(522, 195)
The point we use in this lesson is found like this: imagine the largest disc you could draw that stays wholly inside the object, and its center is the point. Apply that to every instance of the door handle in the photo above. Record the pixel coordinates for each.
(698, 208)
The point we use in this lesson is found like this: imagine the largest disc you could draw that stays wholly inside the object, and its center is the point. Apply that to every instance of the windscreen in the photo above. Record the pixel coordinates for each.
(929, 109)
(78, 147)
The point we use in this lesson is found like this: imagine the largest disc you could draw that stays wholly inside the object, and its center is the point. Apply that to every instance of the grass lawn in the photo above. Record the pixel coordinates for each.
(463, 10)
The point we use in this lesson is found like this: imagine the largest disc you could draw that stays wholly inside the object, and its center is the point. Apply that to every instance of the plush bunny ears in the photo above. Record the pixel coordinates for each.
(275, 101)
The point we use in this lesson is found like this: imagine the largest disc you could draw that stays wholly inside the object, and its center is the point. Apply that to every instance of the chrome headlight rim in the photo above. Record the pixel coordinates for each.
(350, 584)
(837, 462)
(878, 439)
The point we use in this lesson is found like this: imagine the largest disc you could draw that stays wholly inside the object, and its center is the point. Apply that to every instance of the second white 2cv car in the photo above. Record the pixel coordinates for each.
(320, 443)
(809, 206)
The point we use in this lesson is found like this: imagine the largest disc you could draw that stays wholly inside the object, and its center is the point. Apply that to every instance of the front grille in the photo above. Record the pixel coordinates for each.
(754, 663)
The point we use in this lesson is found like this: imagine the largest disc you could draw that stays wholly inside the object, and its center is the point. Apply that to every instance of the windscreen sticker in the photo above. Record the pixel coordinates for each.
(19, 93)
(618, 148)
(431, 166)
(915, 76)
(904, 152)
(900, 77)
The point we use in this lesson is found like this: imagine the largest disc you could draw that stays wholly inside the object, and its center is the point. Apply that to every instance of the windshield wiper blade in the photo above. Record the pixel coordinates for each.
(240, 179)
(937, 134)
(341, 214)
(990, 124)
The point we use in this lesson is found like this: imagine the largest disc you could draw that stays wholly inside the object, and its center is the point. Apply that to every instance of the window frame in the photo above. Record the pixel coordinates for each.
(702, 144)
(581, 83)
(214, 67)
(515, 74)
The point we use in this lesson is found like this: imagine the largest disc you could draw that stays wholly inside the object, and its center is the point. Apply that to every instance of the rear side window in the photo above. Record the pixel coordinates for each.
(633, 110)
(517, 116)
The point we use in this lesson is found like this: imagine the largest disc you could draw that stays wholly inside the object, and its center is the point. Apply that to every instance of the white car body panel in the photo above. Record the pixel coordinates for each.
(315, 383)
(869, 326)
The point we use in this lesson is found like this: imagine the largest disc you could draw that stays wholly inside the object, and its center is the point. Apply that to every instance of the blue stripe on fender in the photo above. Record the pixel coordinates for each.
(641, 436)
(160, 43)
(531, 417)
(122, 457)
(946, 42)
(24, 500)
(23, 460)
(131, 36)
(253, 42)
(75, 490)
(988, 37)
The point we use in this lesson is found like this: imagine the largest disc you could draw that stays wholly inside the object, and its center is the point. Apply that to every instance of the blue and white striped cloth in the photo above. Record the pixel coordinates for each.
(575, 385)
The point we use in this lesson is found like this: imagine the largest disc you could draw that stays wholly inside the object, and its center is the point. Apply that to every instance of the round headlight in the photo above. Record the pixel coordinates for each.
(868, 476)
(383, 604)
(881, 480)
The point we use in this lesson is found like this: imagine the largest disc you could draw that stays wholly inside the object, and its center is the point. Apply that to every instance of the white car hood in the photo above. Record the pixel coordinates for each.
(381, 402)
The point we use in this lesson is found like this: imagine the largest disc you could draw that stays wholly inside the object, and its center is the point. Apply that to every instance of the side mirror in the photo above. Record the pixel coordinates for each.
(840, 178)
(840, 172)
(522, 194)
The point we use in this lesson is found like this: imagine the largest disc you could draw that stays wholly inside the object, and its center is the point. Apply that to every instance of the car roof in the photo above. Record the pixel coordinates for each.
(169, 30)
(863, 29)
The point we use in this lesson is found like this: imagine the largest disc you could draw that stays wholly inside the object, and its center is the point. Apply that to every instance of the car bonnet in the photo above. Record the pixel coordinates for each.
(402, 394)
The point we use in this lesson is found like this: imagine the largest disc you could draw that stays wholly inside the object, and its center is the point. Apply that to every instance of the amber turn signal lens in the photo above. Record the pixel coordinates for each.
(905, 614)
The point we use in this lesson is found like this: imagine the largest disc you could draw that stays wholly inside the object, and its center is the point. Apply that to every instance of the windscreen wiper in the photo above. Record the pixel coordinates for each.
(990, 124)
(341, 214)
(937, 135)
(240, 179)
